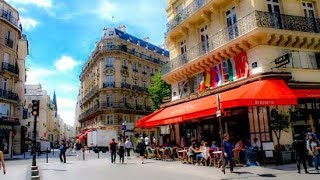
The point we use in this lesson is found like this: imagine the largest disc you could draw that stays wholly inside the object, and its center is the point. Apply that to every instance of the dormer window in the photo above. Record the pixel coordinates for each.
(111, 33)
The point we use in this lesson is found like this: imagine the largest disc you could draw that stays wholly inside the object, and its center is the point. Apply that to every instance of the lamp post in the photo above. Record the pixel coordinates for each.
(35, 113)
(219, 115)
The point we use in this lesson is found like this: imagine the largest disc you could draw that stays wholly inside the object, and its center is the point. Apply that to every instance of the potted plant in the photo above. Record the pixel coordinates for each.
(279, 123)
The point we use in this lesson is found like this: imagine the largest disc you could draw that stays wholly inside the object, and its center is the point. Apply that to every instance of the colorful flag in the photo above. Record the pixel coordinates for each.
(241, 65)
(225, 72)
(207, 78)
(231, 71)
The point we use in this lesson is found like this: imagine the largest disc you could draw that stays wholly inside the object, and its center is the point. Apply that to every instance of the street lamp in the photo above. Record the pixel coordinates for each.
(219, 115)
(35, 113)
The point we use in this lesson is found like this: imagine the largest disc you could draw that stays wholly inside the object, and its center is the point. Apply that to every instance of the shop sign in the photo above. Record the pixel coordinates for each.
(282, 61)
(264, 103)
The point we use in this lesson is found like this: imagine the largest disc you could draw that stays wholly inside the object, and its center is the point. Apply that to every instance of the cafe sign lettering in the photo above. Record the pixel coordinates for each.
(282, 60)
(5, 127)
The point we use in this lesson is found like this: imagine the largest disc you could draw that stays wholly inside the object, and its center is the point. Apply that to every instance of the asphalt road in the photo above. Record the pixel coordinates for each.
(96, 169)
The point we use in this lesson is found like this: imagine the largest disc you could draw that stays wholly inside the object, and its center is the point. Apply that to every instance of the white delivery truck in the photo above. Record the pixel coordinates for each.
(45, 146)
(98, 140)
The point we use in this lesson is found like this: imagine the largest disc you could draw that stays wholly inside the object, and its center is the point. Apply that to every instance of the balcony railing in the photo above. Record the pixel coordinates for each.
(89, 111)
(90, 93)
(109, 85)
(9, 95)
(137, 88)
(11, 68)
(124, 67)
(242, 26)
(8, 16)
(109, 65)
(125, 85)
(9, 42)
(186, 13)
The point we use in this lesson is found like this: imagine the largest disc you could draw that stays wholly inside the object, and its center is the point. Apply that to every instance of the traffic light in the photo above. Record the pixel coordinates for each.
(35, 107)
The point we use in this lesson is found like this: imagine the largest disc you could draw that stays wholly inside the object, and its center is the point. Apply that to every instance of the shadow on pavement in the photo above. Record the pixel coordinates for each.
(267, 175)
(53, 170)
(239, 173)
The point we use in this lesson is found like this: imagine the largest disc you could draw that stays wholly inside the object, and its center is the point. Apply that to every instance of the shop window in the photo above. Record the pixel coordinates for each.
(259, 124)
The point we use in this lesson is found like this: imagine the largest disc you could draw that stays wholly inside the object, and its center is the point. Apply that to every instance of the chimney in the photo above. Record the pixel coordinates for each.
(123, 28)
(147, 39)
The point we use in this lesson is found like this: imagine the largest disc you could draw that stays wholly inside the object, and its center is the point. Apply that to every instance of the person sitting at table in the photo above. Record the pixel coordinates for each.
(198, 153)
(205, 153)
(191, 154)
(214, 146)
(241, 148)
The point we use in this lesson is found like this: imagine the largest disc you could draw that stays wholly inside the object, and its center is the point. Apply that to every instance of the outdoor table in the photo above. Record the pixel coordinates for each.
(219, 159)
(184, 154)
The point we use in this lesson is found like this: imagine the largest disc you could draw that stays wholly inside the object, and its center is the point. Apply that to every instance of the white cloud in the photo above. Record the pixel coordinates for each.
(35, 75)
(39, 3)
(68, 116)
(28, 23)
(69, 88)
(66, 63)
(66, 103)
(105, 10)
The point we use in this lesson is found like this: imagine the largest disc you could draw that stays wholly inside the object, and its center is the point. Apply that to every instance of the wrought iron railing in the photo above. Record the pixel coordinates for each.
(109, 85)
(125, 85)
(90, 94)
(9, 17)
(242, 26)
(11, 68)
(89, 111)
(186, 13)
(8, 95)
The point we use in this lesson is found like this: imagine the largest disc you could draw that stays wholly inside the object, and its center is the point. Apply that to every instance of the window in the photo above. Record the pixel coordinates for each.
(8, 35)
(204, 38)
(135, 67)
(125, 100)
(232, 23)
(4, 109)
(126, 119)
(144, 86)
(109, 100)
(4, 85)
(109, 62)
(152, 71)
(144, 69)
(111, 33)
(125, 63)
(110, 119)
(145, 104)
(273, 6)
(136, 102)
(183, 47)
(308, 9)
(6, 58)
(109, 45)
(124, 80)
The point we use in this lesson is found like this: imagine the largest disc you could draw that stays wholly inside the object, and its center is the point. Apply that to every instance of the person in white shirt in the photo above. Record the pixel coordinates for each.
(147, 141)
(128, 145)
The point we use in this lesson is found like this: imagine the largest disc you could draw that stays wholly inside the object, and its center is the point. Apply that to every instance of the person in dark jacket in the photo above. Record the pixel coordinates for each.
(141, 148)
(63, 149)
(227, 154)
(299, 147)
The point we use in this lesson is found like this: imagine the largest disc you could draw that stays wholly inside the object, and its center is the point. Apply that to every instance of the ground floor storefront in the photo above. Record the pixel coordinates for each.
(246, 114)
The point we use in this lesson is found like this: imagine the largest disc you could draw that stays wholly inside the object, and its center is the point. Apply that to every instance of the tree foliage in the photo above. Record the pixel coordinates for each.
(158, 91)
(279, 122)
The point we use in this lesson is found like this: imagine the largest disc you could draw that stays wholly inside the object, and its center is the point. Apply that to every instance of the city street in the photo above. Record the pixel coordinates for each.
(94, 168)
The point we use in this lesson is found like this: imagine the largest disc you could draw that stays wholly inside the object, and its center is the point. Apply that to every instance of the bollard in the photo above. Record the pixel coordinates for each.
(83, 155)
(24, 154)
(47, 155)
(53, 152)
(98, 154)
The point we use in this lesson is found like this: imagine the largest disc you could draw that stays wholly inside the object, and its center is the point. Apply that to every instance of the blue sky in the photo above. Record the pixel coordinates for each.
(62, 34)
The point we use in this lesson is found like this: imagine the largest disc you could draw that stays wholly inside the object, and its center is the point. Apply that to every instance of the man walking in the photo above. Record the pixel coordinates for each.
(141, 147)
(63, 149)
(299, 146)
(113, 150)
(128, 146)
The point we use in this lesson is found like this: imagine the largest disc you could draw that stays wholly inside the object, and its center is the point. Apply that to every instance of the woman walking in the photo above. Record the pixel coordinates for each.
(2, 163)
(121, 151)
(227, 154)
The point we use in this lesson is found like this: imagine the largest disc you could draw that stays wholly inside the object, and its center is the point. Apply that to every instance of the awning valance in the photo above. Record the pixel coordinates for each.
(307, 93)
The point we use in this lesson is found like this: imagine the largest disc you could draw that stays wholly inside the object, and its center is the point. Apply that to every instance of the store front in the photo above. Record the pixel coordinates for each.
(6, 140)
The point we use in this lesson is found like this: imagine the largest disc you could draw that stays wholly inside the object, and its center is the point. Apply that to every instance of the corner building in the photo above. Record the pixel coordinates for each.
(258, 56)
(114, 81)
(13, 51)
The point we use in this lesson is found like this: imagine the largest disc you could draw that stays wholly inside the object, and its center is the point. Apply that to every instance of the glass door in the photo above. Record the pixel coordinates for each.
(204, 39)
(233, 31)
(309, 13)
(275, 13)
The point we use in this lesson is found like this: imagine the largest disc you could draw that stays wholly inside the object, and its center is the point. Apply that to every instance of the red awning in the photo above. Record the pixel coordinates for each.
(202, 107)
(307, 93)
(140, 122)
(259, 93)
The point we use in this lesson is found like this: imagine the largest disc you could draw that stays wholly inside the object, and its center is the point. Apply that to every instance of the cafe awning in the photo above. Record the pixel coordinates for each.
(202, 107)
(307, 93)
(259, 93)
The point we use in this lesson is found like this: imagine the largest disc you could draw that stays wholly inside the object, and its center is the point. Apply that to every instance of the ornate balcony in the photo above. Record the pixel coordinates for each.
(9, 95)
(186, 13)
(10, 68)
(91, 93)
(109, 85)
(125, 85)
(248, 23)
(8, 16)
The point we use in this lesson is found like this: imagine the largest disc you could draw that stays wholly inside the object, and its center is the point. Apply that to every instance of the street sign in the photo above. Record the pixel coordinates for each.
(123, 127)
(219, 113)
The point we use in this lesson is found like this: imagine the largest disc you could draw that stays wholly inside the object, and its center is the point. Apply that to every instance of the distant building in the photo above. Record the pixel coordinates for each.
(114, 81)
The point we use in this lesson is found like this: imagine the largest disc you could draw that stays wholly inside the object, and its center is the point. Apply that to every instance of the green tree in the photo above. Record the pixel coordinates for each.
(279, 122)
(158, 90)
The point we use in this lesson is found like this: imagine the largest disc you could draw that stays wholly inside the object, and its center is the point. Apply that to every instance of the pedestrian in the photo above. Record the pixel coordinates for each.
(299, 147)
(113, 150)
(313, 147)
(2, 162)
(121, 150)
(78, 148)
(63, 149)
(128, 146)
(141, 147)
(227, 154)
